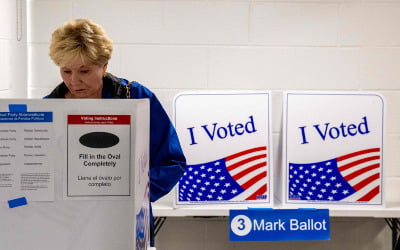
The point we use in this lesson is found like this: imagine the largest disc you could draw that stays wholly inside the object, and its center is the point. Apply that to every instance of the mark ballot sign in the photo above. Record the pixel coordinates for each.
(226, 141)
(333, 148)
(279, 224)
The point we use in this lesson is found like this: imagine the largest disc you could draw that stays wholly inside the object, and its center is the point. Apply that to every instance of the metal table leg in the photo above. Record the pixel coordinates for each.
(394, 225)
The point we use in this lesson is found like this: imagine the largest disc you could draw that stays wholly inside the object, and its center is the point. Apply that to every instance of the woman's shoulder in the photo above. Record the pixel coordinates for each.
(140, 90)
(117, 88)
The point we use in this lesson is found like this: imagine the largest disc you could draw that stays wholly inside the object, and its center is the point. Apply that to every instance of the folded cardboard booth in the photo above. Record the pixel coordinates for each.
(333, 149)
(74, 174)
(226, 137)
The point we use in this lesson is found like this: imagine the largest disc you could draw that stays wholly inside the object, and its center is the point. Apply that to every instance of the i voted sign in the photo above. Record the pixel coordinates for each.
(226, 140)
(279, 224)
(333, 148)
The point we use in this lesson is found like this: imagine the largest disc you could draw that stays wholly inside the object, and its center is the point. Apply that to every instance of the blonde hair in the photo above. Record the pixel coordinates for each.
(80, 38)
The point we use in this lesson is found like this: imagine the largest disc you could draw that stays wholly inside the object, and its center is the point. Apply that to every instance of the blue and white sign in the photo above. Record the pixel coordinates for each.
(279, 225)
(333, 148)
(226, 140)
(26, 152)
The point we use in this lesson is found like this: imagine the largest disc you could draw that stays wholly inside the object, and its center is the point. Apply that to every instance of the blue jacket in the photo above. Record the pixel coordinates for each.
(167, 161)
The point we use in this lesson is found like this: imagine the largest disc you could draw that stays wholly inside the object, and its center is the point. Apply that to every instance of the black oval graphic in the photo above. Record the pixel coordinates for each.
(99, 140)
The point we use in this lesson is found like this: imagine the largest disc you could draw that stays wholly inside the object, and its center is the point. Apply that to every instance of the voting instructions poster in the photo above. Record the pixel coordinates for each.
(98, 155)
(26, 158)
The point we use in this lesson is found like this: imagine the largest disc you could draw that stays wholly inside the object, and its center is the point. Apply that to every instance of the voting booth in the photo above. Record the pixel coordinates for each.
(226, 138)
(74, 174)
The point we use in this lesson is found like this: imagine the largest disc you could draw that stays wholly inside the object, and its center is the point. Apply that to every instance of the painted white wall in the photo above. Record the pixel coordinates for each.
(172, 46)
(13, 49)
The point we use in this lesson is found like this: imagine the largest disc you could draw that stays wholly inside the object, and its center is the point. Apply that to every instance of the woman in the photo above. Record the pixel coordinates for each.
(82, 50)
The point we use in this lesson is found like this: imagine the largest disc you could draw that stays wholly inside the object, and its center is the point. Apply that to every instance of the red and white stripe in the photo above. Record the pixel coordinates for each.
(249, 169)
(362, 170)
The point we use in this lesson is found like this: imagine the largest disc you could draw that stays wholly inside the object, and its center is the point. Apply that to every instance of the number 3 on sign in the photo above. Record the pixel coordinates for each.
(241, 225)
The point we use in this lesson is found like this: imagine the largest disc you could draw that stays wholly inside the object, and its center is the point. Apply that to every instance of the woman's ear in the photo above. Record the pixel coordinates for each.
(105, 68)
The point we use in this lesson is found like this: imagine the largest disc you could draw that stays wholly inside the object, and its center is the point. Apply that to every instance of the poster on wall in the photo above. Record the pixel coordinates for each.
(26, 153)
(333, 148)
(226, 140)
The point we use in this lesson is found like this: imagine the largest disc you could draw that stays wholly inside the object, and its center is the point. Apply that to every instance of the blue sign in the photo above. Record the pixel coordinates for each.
(17, 117)
(279, 224)
(19, 113)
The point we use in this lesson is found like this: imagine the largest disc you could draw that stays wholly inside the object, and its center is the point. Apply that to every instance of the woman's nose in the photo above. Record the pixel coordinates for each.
(75, 78)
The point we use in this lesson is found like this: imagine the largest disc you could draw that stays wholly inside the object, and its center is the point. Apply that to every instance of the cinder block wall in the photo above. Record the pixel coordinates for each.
(173, 46)
(13, 49)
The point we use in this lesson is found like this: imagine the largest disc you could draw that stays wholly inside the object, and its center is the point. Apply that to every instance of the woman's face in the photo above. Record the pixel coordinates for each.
(83, 80)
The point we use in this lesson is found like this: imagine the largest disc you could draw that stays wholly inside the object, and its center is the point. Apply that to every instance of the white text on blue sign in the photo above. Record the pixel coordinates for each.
(281, 224)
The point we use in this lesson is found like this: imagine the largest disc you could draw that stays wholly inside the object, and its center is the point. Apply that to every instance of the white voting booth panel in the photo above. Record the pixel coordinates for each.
(333, 144)
(81, 166)
(226, 138)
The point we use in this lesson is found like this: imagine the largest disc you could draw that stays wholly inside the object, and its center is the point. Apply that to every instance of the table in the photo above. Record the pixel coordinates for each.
(390, 213)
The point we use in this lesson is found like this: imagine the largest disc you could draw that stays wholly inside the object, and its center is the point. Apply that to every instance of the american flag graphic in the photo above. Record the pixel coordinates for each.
(353, 177)
(237, 177)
